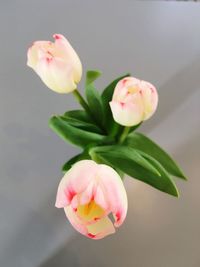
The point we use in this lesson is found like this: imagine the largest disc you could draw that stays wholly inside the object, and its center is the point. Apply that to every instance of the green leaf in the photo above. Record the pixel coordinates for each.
(74, 135)
(119, 152)
(170, 185)
(93, 97)
(143, 143)
(95, 104)
(106, 98)
(79, 115)
(91, 76)
(132, 168)
(81, 123)
(73, 160)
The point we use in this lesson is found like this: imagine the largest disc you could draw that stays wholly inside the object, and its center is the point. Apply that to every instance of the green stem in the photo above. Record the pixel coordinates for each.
(82, 102)
(124, 134)
(95, 158)
(114, 130)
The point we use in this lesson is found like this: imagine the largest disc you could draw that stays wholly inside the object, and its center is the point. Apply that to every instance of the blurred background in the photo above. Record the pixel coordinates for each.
(155, 41)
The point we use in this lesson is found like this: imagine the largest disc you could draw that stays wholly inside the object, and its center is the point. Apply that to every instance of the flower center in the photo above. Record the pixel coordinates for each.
(90, 211)
(133, 89)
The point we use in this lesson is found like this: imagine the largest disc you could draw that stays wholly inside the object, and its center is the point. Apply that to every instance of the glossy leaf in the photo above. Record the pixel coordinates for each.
(126, 153)
(79, 115)
(170, 186)
(132, 168)
(143, 143)
(91, 76)
(94, 98)
(74, 135)
(95, 104)
(88, 126)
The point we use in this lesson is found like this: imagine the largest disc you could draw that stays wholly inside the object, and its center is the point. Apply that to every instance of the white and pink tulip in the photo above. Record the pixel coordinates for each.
(56, 63)
(89, 192)
(133, 101)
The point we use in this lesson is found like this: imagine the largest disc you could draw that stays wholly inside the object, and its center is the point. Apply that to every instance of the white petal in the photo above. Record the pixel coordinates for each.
(75, 181)
(127, 114)
(114, 191)
(56, 75)
(101, 228)
(71, 56)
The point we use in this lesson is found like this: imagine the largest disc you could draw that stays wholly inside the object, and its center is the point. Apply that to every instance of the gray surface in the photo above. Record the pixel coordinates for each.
(157, 41)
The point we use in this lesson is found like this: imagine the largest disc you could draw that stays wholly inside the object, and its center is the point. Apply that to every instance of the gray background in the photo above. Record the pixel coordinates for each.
(156, 41)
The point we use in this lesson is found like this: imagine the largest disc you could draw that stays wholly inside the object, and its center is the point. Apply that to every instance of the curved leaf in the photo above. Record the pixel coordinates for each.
(119, 152)
(170, 186)
(93, 97)
(74, 135)
(132, 168)
(90, 127)
(143, 143)
(78, 114)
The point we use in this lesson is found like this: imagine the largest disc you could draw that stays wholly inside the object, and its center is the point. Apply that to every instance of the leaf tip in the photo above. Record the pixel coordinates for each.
(175, 192)
(184, 176)
(92, 75)
(52, 120)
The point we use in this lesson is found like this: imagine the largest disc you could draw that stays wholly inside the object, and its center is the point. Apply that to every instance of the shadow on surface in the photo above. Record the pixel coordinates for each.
(166, 221)
(75, 253)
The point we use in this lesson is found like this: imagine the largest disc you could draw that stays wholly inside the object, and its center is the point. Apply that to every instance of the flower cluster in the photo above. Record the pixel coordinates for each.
(91, 192)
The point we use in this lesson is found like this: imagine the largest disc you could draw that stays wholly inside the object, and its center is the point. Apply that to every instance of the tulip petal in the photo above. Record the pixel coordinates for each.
(56, 74)
(101, 197)
(97, 230)
(127, 114)
(57, 64)
(115, 192)
(34, 51)
(133, 101)
(100, 229)
(75, 181)
(32, 57)
(89, 192)
(150, 99)
(62, 44)
(122, 87)
(75, 221)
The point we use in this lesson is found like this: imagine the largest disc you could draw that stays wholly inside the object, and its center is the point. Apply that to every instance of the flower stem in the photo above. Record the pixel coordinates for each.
(81, 100)
(124, 134)
(84, 104)
(114, 130)
(95, 158)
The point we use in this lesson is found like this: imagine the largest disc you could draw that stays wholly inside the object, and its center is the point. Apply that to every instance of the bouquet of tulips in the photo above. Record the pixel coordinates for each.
(92, 191)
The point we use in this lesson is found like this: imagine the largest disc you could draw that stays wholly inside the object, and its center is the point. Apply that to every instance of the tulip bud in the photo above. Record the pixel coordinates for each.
(89, 192)
(133, 101)
(56, 63)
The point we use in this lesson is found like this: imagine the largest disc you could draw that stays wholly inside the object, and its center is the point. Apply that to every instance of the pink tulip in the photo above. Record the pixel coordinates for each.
(89, 192)
(133, 101)
(56, 63)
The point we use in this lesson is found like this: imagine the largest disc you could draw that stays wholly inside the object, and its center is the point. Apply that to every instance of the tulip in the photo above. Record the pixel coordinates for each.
(56, 63)
(133, 101)
(89, 192)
